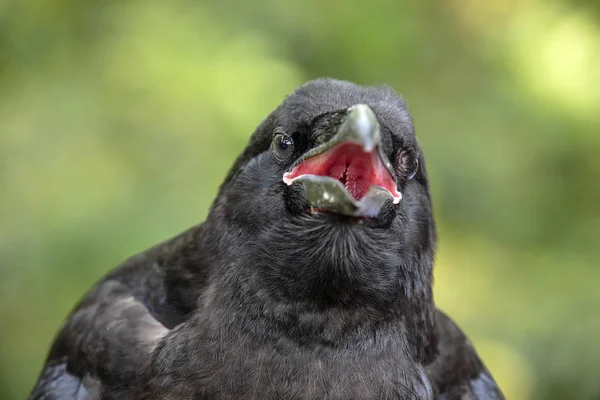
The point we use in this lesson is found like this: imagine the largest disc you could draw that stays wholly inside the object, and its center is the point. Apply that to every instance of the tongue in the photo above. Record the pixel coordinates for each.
(351, 165)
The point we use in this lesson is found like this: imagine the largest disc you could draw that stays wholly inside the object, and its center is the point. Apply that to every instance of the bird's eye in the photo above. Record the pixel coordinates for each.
(283, 146)
(407, 164)
(415, 169)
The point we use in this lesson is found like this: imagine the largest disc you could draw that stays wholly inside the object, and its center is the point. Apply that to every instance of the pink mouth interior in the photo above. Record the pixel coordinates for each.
(351, 165)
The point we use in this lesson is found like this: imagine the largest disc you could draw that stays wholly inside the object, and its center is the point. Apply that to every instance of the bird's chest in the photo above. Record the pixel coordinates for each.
(243, 368)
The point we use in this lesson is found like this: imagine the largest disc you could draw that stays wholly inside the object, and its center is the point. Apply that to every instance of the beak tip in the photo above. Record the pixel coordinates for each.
(362, 126)
(369, 147)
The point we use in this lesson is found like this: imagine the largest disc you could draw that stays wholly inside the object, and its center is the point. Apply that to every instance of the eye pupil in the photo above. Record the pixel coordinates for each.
(283, 146)
(284, 143)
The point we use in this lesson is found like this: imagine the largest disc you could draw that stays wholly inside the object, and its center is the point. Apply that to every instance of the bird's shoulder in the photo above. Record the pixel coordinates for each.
(111, 333)
(457, 371)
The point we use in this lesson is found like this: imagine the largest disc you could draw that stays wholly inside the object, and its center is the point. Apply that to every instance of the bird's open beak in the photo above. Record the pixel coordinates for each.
(349, 174)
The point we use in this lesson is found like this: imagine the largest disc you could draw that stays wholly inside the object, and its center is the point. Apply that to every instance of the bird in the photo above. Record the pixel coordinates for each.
(310, 278)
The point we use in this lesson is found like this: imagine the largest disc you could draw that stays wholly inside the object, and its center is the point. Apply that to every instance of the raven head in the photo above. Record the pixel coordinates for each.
(330, 200)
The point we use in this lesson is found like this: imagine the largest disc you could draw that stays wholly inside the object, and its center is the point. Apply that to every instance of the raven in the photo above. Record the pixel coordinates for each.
(311, 277)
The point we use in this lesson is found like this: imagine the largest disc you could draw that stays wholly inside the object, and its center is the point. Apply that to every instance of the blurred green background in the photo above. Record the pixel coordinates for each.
(118, 120)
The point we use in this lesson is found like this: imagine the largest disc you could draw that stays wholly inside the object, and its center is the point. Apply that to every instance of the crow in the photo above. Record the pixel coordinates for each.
(311, 277)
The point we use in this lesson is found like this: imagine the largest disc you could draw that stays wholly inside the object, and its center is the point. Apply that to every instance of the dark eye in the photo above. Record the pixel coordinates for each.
(415, 169)
(283, 146)
(407, 164)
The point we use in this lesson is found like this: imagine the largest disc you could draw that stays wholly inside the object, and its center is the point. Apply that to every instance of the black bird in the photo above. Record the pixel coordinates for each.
(311, 277)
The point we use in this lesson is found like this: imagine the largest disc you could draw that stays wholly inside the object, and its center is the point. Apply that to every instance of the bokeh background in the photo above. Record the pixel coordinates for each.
(118, 120)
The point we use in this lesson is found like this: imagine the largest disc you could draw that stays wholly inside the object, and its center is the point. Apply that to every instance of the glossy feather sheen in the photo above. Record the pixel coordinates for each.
(263, 301)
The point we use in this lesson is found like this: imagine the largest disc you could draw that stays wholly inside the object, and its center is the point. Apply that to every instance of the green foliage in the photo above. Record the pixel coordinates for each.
(118, 120)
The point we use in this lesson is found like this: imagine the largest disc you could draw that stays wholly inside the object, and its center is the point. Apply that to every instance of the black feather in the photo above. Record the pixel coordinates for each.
(265, 301)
